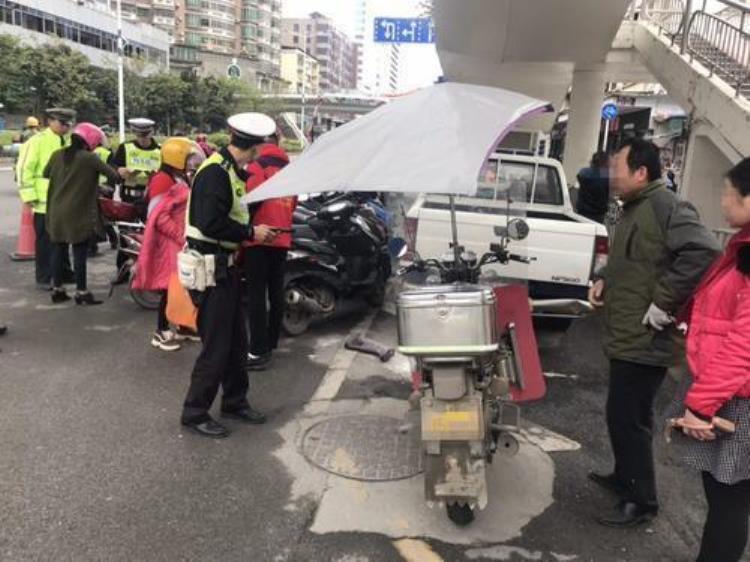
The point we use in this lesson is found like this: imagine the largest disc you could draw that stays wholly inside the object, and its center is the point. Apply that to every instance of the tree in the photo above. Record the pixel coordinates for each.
(60, 77)
(16, 93)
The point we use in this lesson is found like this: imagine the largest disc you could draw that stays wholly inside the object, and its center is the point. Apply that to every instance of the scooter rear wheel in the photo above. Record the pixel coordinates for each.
(460, 514)
(149, 300)
(296, 321)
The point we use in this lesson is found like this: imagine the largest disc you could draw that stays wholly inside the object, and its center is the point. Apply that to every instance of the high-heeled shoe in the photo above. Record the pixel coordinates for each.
(59, 295)
(86, 299)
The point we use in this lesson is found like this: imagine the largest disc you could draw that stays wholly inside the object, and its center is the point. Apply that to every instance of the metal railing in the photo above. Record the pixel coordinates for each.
(720, 44)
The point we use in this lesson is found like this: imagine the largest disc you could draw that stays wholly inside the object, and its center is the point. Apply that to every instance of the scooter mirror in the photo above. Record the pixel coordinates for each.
(397, 247)
(518, 229)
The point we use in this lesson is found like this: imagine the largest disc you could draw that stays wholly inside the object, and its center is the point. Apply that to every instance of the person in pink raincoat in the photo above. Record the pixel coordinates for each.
(165, 233)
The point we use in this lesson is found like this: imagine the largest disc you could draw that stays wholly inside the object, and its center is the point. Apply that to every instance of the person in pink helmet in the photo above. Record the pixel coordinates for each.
(72, 206)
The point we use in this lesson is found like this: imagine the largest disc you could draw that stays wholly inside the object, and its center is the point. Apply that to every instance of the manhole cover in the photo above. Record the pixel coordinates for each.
(364, 448)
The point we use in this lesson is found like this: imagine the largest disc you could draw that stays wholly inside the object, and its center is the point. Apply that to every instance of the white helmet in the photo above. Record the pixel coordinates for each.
(252, 126)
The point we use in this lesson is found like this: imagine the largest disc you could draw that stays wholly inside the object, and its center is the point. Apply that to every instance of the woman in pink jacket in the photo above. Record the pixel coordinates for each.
(718, 348)
(165, 233)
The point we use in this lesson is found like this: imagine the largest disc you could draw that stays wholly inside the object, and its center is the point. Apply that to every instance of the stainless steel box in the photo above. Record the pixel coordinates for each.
(447, 320)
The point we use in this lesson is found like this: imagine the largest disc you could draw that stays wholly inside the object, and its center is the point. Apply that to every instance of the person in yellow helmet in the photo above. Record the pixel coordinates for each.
(30, 128)
(167, 196)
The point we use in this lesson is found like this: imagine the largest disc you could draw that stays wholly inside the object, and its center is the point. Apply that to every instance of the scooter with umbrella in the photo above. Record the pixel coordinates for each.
(474, 345)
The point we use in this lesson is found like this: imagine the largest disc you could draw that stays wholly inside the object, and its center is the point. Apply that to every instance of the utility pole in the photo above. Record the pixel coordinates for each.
(304, 79)
(120, 73)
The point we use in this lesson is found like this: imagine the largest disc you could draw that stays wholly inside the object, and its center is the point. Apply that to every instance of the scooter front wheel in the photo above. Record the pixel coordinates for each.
(460, 514)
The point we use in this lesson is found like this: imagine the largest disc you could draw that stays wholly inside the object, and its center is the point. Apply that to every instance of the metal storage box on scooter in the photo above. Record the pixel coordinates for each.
(447, 320)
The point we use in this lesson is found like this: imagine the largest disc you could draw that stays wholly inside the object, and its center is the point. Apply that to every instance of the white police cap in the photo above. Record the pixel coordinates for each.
(141, 124)
(252, 125)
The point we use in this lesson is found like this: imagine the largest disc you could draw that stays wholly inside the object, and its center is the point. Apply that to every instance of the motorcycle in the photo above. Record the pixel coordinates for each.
(339, 250)
(475, 351)
(129, 232)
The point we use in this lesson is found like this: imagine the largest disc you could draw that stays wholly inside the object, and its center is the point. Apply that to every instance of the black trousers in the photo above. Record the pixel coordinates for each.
(265, 268)
(630, 419)
(725, 532)
(222, 361)
(60, 253)
(162, 324)
(43, 250)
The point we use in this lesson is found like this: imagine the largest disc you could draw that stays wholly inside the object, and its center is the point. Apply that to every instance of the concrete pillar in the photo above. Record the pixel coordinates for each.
(584, 120)
(707, 160)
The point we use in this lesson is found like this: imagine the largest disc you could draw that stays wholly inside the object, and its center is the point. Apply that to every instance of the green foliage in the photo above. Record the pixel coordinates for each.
(34, 78)
(219, 140)
(291, 145)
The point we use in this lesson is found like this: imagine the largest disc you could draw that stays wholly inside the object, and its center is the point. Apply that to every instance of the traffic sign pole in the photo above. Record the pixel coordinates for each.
(605, 142)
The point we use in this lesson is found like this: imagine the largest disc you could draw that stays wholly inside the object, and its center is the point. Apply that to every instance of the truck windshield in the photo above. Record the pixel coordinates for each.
(499, 180)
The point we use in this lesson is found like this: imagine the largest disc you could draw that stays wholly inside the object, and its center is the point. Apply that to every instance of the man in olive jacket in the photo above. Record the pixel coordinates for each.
(659, 254)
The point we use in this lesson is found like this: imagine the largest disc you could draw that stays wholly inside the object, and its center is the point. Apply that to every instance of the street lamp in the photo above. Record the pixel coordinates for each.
(120, 74)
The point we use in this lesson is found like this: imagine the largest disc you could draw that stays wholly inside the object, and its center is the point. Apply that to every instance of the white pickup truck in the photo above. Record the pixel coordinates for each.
(567, 247)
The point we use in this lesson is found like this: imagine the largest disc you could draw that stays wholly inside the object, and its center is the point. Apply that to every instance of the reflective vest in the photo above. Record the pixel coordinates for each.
(143, 161)
(103, 154)
(239, 211)
(33, 158)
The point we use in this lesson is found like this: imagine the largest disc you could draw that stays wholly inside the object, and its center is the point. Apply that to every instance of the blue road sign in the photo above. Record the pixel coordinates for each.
(404, 30)
(609, 112)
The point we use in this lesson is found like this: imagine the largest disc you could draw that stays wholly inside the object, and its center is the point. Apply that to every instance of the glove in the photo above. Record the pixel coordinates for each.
(657, 318)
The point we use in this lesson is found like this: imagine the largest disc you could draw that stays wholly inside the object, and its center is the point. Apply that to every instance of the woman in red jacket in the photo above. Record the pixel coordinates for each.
(167, 194)
(718, 348)
(265, 263)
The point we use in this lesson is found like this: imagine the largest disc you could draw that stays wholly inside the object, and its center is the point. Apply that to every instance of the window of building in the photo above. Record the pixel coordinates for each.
(296, 27)
(193, 20)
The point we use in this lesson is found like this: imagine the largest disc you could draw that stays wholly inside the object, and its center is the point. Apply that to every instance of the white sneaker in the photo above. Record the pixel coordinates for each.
(186, 335)
(165, 341)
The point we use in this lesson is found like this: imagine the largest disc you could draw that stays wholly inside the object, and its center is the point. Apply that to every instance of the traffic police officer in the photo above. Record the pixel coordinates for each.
(141, 156)
(32, 185)
(217, 223)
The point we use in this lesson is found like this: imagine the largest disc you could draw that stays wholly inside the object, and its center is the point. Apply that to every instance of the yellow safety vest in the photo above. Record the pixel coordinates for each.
(33, 158)
(142, 161)
(103, 154)
(239, 211)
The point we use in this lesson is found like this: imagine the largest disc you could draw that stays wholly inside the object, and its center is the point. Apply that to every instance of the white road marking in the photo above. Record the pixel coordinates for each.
(340, 365)
(547, 440)
(502, 552)
(551, 375)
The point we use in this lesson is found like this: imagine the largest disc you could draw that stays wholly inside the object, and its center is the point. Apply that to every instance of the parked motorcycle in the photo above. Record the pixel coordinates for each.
(465, 339)
(339, 250)
(129, 232)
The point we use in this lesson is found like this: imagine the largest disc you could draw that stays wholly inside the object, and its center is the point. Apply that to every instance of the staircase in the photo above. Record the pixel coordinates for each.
(718, 44)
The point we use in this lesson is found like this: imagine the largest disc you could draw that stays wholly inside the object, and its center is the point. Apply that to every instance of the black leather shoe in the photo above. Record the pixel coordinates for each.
(208, 428)
(3, 330)
(628, 514)
(609, 482)
(59, 296)
(87, 299)
(247, 415)
(258, 362)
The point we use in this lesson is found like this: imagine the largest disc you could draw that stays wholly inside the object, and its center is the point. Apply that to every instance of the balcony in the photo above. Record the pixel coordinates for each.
(164, 3)
(161, 20)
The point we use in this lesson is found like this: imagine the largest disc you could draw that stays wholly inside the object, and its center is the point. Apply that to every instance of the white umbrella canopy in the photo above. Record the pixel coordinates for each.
(432, 141)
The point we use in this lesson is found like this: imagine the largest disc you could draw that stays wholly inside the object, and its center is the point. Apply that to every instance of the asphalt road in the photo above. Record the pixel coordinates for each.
(94, 465)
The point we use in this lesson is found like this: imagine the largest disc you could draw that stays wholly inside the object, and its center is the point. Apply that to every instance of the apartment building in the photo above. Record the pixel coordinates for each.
(334, 50)
(301, 70)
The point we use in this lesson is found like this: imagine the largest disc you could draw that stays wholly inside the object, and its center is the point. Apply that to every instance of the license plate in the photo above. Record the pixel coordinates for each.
(458, 424)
